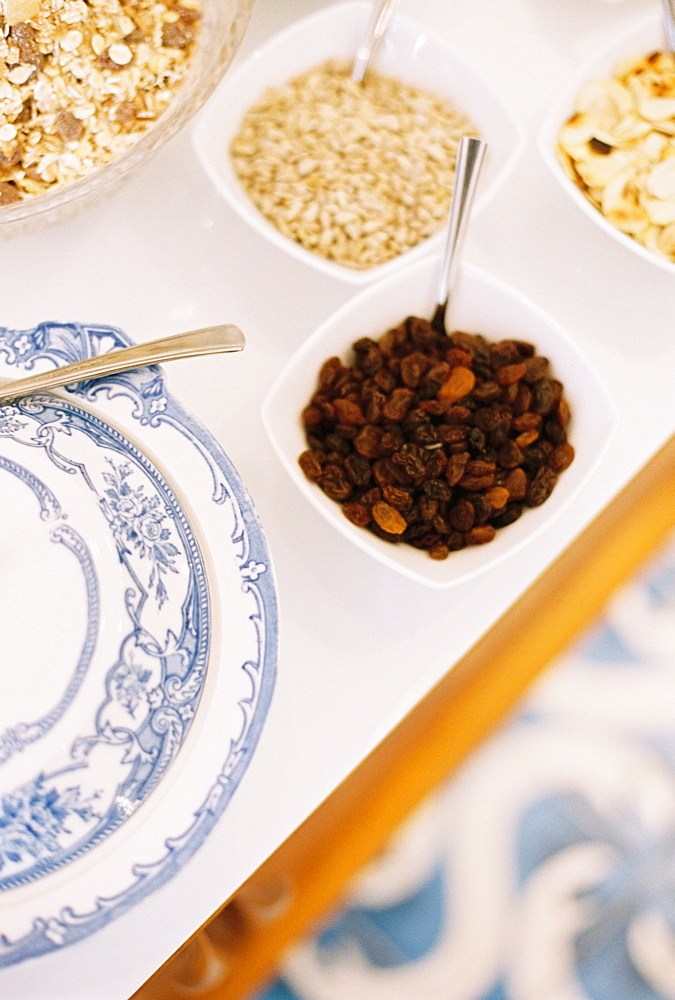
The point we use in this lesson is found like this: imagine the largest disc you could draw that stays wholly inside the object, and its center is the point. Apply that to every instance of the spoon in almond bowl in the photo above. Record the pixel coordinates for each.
(210, 340)
(669, 24)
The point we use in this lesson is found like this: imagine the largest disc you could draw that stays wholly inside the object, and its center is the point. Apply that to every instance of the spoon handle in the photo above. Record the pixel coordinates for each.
(211, 340)
(469, 161)
(669, 24)
(377, 26)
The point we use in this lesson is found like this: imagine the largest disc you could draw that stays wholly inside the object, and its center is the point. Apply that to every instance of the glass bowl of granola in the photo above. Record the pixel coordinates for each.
(609, 141)
(89, 90)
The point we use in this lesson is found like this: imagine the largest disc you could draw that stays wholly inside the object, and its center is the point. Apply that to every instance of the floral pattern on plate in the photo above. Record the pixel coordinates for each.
(124, 587)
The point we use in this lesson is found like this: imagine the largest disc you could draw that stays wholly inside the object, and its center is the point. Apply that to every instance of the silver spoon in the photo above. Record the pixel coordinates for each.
(469, 161)
(376, 28)
(669, 24)
(210, 340)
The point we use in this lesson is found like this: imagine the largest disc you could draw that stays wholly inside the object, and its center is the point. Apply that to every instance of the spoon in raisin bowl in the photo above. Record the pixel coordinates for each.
(470, 155)
(210, 340)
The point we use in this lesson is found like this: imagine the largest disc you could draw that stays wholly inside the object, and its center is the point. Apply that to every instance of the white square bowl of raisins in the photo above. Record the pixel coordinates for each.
(408, 53)
(439, 456)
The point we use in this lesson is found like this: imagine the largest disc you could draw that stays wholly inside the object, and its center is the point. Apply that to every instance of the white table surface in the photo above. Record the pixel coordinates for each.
(359, 644)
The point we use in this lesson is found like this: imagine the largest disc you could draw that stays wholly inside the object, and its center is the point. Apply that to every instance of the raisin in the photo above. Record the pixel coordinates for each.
(384, 380)
(373, 404)
(436, 489)
(526, 438)
(487, 418)
(497, 497)
(508, 516)
(508, 374)
(411, 460)
(398, 498)
(523, 400)
(371, 496)
(357, 513)
(348, 412)
(428, 508)
(527, 422)
(398, 404)
(561, 457)
(487, 391)
(328, 372)
(509, 455)
(385, 472)
(388, 518)
(505, 352)
(536, 368)
(480, 535)
(358, 469)
(439, 550)
(545, 395)
(516, 483)
(462, 515)
(310, 464)
(413, 368)
(367, 441)
(335, 483)
(451, 435)
(456, 466)
(458, 384)
(436, 463)
(541, 486)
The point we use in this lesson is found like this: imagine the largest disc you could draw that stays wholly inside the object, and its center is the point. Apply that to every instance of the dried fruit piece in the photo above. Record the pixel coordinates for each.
(357, 513)
(458, 384)
(388, 518)
(480, 535)
(561, 457)
(541, 486)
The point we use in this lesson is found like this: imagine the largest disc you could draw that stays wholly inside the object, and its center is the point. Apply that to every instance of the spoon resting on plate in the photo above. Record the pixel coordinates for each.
(209, 340)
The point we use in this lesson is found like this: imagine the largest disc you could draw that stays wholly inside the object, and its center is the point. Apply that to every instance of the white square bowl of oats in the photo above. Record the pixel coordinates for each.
(609, 141)
(407, 445)
(89, 91)
(352, 179)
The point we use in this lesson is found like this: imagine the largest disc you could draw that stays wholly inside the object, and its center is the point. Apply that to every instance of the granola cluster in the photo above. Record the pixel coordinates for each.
(81, 81)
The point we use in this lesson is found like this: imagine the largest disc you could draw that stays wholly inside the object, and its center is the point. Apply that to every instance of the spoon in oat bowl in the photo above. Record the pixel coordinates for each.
(381, 16)
(470, 155)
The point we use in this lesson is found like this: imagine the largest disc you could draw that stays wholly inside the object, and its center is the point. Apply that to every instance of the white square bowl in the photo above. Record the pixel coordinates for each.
(480, 304)
(408, 52)
(641, 38)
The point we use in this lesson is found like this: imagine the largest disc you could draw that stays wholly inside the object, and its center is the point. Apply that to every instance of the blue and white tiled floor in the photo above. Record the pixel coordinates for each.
(545, 870)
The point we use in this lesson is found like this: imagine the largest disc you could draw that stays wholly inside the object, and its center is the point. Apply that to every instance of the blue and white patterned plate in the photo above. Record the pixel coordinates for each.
(139, 618)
